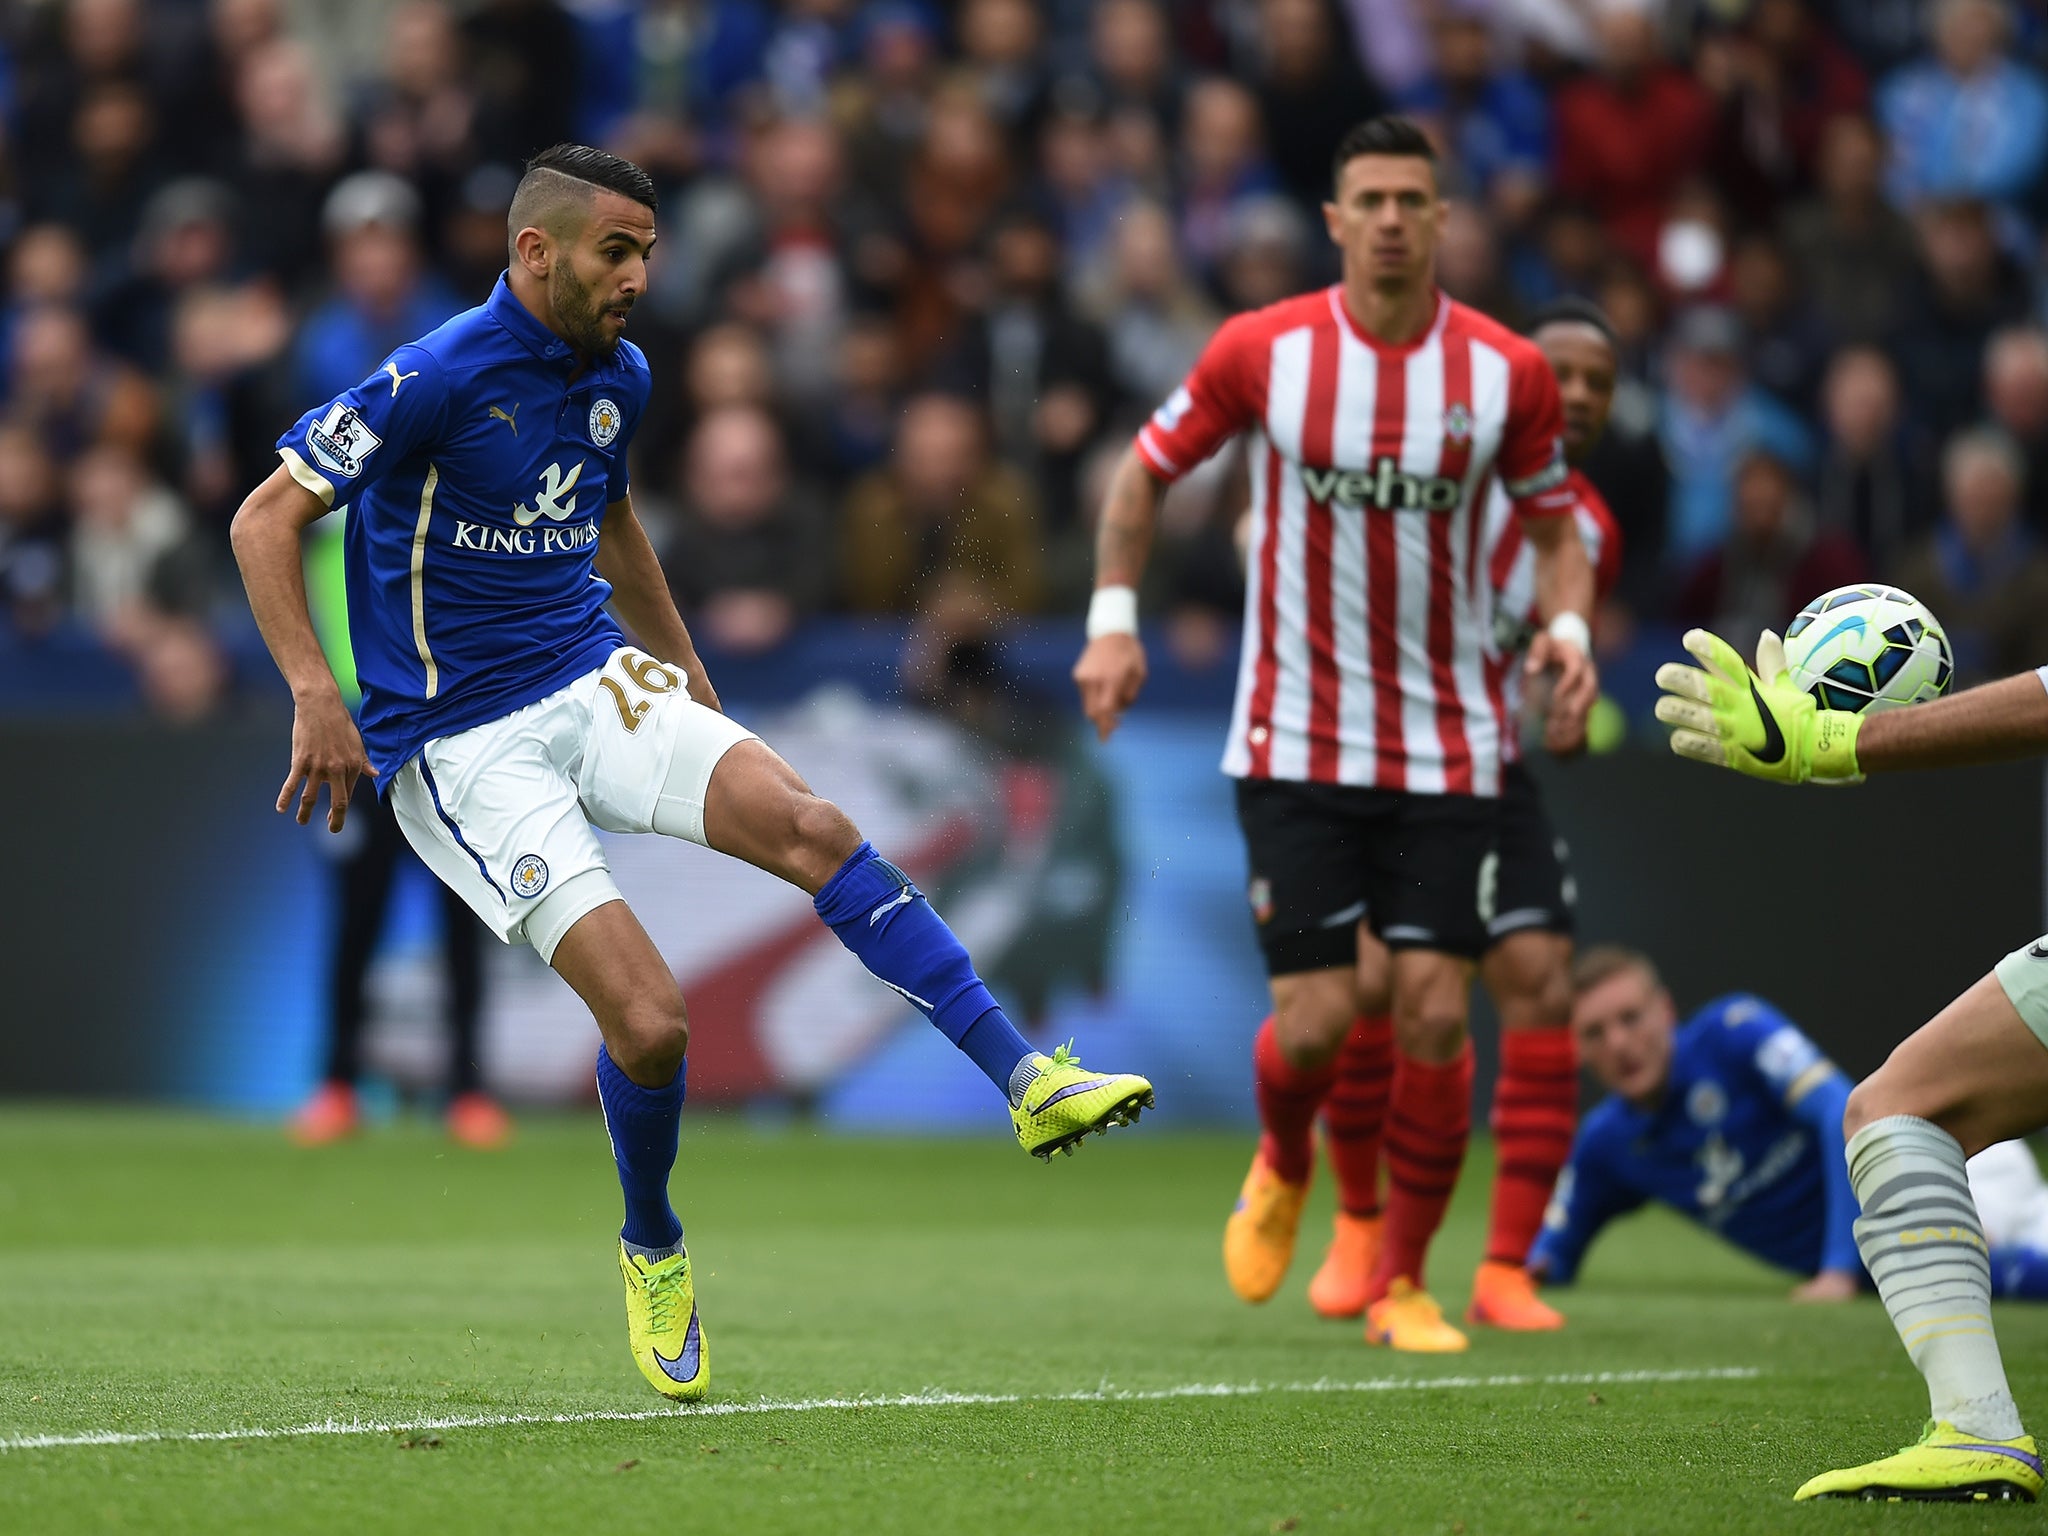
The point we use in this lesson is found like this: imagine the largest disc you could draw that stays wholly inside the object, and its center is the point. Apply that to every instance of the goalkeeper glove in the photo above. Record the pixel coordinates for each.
(1763, 724)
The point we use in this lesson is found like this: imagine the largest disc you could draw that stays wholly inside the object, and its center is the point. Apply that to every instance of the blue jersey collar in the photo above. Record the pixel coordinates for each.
(515, 317)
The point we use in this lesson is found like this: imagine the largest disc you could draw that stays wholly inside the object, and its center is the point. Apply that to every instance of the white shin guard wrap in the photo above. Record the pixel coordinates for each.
(1924, 1246)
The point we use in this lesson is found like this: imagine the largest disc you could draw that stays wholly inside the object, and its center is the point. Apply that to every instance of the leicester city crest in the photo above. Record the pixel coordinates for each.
(604, 421)
(529, 875)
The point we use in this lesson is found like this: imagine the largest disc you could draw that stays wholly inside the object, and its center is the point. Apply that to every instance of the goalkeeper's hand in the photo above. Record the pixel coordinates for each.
(1760, 724)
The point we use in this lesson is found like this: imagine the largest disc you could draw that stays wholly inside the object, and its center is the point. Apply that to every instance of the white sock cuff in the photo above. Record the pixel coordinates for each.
(1902, 1133)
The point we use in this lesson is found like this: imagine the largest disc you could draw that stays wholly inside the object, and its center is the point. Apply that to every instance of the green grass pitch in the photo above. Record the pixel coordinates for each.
(173, 1275)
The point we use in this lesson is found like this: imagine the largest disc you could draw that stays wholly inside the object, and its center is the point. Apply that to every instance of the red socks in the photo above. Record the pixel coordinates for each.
(1427, 1128)
(1288, 1098)
(1535, 1106)
(1356, 1113)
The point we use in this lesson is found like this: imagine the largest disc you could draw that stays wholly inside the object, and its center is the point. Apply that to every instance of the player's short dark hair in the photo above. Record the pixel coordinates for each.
(1573, 310)
(1387, 134)
(581, 162)
(1603, 962)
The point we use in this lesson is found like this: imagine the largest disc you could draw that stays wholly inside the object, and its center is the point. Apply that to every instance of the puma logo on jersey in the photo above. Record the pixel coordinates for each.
(554, 487)
(511, 420)
(398, 378)
(1386, 486)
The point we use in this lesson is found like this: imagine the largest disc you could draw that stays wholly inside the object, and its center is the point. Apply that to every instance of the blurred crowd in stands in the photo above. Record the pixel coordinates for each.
(925, 266)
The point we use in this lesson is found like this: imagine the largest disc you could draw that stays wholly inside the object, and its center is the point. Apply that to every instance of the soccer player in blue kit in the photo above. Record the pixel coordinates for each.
(506, 716)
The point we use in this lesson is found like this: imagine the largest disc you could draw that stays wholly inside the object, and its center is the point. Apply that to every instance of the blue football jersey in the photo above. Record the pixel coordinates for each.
(1747, 1141)
(476, 465)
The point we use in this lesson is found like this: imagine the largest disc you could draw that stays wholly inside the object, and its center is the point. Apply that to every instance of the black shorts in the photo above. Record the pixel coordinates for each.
(1531, 884)
(1324, 856)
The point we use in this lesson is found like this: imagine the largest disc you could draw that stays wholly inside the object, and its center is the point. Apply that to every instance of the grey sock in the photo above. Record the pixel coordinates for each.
(655, 1255)
(1022, 1076)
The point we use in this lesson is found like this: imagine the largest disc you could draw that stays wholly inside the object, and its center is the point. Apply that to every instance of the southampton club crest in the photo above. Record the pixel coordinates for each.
(1458, 423)
(604, 422)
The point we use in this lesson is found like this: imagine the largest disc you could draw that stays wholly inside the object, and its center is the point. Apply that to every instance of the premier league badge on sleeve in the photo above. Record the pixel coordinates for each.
(604, 422)
(341, 440)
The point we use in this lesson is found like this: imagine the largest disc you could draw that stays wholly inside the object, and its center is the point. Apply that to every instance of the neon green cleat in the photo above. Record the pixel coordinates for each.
(1066, 1102)
(662, 1327)
(1946, 1464)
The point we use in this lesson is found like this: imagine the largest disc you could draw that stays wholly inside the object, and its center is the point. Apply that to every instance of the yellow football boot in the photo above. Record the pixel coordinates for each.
(1944, 1464)
(1407, 1319)
(1258, 1240)
(662, 1327)
(1067, 1102)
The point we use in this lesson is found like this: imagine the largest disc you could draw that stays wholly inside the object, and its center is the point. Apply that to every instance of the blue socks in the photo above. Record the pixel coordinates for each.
(644, 1124)
(890, 927)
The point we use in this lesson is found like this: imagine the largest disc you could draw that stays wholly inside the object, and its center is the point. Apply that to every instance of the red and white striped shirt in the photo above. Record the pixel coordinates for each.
(1511, 573)
(1366, 602)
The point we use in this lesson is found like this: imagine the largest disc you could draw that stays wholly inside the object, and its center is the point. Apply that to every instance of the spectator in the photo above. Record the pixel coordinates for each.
(290, 148)
(1086, 193)
(1869, 486)
(1222, 162)
(523, 56)
(1157, 320)
(1785, 344)
(1713, 416)
(32, 531)
(752, 550)
(71, 396)
(960, 180)
(862, 414)
(1493, 120)
(1265, 253)
(382, 296)
(2016, 399)
(418, 121)
(1469, 266)
(1132, 53)
(133, 558)
(1967, 289)
(1982, 570)
(187, 238)
(1003, 44)
(1623, 137)
(1041, 367)
(1310, 91)
(221, 402)
(893, 90)
(1854, 252)
(99, 188)
(942, 510)
(1774, 561)
(1971, 121)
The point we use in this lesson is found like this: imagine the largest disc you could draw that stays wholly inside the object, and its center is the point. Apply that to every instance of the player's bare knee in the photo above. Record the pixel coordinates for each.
(653, 1037)
(818, 837)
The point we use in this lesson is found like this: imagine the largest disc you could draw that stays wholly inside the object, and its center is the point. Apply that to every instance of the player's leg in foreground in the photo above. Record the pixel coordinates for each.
(1977, 1074)
(614, 967)
(1535, 1106)
(1354, 1119)
(757, 808)
(1293, 1064)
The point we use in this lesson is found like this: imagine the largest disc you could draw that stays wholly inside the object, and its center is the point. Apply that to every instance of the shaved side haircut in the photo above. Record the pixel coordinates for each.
(556, 192)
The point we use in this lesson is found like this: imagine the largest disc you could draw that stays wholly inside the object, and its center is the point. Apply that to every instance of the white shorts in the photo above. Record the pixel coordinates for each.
(2024, 975)
(504, 813)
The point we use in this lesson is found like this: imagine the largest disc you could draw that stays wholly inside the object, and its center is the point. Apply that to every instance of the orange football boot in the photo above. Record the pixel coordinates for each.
(1407, 1319)
(1258, 1240)
(1339, 1287)
(329, 1116)
(478, 1120)
(1503, 1296)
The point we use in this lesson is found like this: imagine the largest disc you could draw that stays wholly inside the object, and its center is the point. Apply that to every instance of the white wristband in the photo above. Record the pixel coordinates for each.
(1113, 611)
(1571, 629)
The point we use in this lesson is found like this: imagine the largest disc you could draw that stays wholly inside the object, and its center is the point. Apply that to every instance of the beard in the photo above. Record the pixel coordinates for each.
(579, 313)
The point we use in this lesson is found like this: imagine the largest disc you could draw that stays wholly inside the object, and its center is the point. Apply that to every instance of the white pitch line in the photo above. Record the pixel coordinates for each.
(929, 1399)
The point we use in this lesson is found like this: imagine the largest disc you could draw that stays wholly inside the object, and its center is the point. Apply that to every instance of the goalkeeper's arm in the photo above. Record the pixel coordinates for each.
(1990, 723)
(1761, 724)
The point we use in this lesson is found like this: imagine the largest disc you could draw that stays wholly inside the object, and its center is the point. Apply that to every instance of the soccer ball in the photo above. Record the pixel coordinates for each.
(1868, 648)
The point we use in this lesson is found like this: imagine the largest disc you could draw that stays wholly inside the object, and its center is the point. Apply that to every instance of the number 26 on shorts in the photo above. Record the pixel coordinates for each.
(645, 675)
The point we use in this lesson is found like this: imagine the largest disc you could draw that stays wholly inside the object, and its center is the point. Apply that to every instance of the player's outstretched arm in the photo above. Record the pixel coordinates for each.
(1112, 665)
(326, 748)
(626, 559)
(1762, 725)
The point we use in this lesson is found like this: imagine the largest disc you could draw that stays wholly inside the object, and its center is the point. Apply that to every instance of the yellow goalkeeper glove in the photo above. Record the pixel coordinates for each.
(1760, 724)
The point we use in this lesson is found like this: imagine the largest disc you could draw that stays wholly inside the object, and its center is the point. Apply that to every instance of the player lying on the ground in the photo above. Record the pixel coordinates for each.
(1976, 1074)
(1365, 740)
(1526, 899)
(1734, 1119)
(507, 718)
